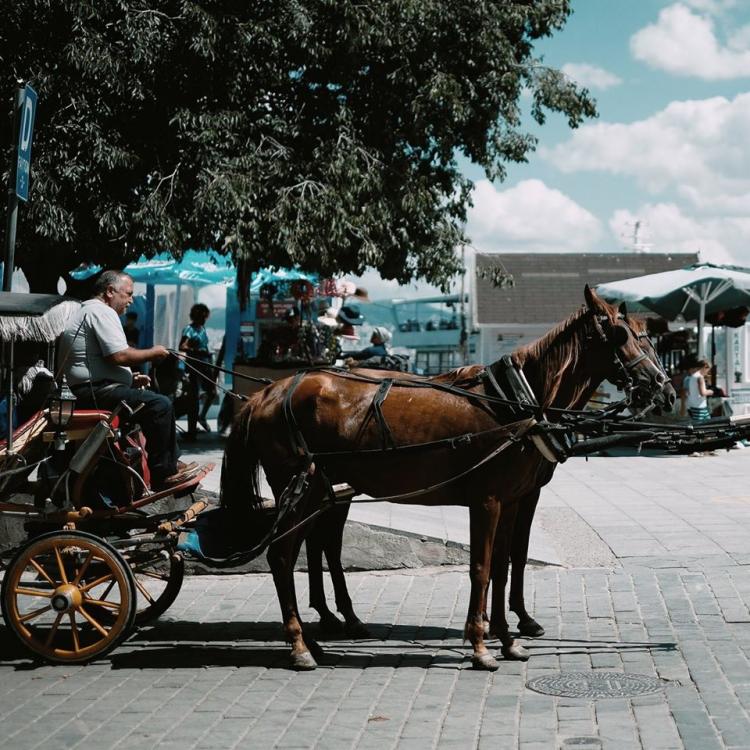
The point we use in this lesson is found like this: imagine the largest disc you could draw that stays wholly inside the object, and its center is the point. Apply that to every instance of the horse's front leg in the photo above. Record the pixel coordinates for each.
(519, 552)
(483, 520)
(498, 622)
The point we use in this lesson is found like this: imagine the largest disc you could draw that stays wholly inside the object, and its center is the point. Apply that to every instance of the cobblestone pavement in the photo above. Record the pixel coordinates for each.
(672, 603)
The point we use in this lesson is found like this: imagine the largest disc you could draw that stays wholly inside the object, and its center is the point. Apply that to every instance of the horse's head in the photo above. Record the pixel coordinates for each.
(629, 359)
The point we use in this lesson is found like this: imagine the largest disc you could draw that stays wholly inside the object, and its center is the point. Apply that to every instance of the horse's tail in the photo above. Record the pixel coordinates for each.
(240, 468)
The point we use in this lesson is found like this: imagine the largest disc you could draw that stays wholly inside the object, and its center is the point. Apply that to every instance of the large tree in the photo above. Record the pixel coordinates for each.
(323, 133)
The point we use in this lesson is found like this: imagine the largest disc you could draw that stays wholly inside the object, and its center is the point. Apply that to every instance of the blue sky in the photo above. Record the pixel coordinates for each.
(670, 150)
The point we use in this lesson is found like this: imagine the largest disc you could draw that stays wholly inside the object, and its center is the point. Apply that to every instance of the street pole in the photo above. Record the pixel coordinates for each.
(464, 341)
(12, 216)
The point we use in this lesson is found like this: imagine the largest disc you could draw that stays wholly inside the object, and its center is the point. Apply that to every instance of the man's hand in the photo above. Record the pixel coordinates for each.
(159, 352)
(141, 381)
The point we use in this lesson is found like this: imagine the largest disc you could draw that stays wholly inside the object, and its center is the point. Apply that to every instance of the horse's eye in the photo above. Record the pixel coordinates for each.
(619, 335)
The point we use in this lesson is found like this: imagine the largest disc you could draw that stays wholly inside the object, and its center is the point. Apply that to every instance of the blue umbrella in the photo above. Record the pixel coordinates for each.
(199, 267)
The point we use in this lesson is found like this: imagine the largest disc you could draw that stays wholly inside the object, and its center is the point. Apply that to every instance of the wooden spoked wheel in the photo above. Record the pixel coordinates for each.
(157, 582)
(69, 596)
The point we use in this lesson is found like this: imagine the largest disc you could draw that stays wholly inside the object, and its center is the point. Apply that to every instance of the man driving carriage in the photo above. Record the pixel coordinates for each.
(96, 359)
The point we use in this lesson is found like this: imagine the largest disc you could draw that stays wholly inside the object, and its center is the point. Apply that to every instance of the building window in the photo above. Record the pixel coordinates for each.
(437, 362)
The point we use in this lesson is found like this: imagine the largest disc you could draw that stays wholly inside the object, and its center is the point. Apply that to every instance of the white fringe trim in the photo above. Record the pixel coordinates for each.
(44, 328)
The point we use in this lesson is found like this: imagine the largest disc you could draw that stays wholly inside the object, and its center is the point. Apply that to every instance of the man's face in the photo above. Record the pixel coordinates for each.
(120, 296)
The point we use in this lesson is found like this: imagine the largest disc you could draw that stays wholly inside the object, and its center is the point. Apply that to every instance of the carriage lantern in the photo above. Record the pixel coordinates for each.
(61, 405)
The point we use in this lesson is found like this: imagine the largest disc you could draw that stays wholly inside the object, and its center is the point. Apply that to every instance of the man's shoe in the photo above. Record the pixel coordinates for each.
(204, 424)
(184, 473)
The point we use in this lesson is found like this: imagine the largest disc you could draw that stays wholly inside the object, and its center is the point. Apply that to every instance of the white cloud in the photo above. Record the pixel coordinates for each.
(530, 217)
(697, 148)
(670, 230)
(591, 76)
(685, 43)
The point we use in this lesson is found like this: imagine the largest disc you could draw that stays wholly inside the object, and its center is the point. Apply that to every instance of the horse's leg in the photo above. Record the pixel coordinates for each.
(329, 623)
(483, 520)
(498, 625)
(519, 550)
(282, 556)
(333, 542)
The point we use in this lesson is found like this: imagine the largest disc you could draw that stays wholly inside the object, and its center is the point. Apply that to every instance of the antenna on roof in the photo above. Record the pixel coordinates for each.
(634, 236)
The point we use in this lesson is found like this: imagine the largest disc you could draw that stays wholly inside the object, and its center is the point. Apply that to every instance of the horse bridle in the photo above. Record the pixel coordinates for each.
(623, 368)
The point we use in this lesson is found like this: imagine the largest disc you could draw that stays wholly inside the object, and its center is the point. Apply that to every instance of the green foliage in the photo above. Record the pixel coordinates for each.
(321, 133)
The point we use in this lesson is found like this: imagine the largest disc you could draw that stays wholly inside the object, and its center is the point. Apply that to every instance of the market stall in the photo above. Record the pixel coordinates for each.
(284, 327)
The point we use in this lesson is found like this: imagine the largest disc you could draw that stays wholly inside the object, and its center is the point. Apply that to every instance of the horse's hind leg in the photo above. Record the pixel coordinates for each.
(282, 556)
(329, 623)
(519, 551)
(332, 545)
(483, 519)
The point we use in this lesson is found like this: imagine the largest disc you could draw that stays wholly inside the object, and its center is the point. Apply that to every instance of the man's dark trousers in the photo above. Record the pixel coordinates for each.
(156, 419)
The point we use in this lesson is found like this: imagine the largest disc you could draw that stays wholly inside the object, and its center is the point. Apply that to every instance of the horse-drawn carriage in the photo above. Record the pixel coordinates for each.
(97, 557)
(92, 557)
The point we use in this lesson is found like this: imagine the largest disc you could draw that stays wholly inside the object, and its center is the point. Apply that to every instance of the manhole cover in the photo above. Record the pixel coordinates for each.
(595, 684)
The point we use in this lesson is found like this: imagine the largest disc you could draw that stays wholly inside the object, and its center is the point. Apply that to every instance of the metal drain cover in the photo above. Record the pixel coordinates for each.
(595, 684)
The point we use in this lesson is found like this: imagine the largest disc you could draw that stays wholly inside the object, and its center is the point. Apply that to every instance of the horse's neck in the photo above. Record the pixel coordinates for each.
(556, 368)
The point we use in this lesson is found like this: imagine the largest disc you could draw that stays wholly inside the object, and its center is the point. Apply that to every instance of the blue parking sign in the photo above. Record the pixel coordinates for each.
(23, 165)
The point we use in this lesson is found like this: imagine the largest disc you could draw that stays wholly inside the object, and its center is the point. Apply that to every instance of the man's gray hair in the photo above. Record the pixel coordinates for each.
(108, 279)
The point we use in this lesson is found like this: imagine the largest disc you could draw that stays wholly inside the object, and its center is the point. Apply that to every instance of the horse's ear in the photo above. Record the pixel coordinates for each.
(623, 310)
(593, 300)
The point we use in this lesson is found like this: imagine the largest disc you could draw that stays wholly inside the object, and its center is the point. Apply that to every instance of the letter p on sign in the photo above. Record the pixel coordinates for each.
(25, 132)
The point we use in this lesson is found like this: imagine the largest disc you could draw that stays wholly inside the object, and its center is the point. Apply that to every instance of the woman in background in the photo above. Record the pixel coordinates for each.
(194, 342)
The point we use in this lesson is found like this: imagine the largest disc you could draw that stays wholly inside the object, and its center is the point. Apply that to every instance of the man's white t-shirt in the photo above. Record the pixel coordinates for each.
(94, 332)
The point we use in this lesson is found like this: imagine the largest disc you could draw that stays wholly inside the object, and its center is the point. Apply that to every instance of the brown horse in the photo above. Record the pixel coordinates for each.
(317, 429)
(511, 540)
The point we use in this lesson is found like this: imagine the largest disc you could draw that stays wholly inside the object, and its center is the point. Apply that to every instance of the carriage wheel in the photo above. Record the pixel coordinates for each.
(157, 582)
(69, 596)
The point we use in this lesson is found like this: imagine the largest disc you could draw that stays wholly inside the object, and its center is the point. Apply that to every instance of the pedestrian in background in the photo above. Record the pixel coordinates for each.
(132, 332)
(697, 392)
(201, 375)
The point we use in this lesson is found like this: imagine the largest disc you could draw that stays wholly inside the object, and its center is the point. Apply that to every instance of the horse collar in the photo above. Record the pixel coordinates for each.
(510, 384)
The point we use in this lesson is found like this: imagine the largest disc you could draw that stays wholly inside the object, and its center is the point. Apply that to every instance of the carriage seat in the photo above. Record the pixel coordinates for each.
(87, 418)
(25, 433)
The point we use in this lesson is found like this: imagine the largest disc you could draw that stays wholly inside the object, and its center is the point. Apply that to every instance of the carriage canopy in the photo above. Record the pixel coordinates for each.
(34, 317)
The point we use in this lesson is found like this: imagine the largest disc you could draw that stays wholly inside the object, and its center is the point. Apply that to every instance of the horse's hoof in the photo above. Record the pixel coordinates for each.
(357, 630)
(330, 624)
(515, 652)
(486, 662)
(303, 661)
(530, 628)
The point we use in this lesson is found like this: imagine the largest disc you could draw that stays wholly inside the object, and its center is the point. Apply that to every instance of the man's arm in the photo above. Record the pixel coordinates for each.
(131, 356)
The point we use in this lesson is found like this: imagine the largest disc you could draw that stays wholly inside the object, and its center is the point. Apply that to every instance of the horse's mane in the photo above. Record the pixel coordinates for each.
(549, 358)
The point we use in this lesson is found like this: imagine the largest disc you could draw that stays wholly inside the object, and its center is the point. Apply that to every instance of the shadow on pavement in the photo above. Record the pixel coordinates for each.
(186, 645)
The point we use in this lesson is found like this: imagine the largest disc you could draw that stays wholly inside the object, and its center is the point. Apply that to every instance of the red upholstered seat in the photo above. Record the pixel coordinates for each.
(87, 418)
